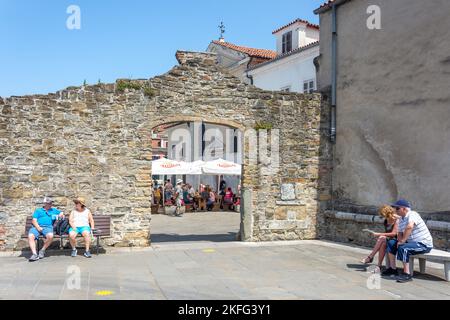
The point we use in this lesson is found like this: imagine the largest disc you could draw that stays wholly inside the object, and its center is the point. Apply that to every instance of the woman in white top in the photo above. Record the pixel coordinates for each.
(81, 222)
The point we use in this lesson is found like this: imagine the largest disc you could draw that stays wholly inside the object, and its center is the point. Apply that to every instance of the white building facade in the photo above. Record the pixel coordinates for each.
(293, 69)
(290, 68)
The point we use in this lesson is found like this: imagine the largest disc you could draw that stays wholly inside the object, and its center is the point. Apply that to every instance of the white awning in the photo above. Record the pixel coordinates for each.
(222, 167)
(216, 167)
(172, 167)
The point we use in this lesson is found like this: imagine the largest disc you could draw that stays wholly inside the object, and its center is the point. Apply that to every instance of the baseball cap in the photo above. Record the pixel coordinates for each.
(179, 181)
(47, 200)
(402, 203)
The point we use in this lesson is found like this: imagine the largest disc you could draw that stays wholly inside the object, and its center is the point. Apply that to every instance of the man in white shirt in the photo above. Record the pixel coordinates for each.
(413, 238)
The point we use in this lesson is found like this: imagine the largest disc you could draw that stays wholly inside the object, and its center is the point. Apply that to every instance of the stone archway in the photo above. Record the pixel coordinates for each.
(95, 141)
(199, 136)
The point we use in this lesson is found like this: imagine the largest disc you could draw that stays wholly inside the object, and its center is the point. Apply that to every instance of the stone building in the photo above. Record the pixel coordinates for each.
(95, 141)
(392, 110)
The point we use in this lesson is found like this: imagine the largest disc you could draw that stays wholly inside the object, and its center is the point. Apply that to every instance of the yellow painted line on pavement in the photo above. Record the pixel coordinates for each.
(104, 293)
(209, 251)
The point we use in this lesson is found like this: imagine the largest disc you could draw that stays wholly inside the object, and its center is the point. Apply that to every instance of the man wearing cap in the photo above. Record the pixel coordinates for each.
(179, 197)
(413, 238)
(43, 219)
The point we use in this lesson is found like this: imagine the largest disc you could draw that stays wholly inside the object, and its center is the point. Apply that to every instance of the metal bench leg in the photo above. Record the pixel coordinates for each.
(411, 266)
(37, 244)
(422, 265)
(98, 243)
(447, 270)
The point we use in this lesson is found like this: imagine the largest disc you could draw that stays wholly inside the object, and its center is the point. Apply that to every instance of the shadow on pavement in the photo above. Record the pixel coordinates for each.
(358, 267)
(163, 237)
(58, 253)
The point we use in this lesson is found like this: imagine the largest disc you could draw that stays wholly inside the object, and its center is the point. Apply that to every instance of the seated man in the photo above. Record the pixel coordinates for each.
(413, 238)
(43, 219)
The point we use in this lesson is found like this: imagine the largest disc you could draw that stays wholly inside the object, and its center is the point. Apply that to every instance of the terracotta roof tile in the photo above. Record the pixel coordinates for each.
(288, 54)
(252, 52)
(308, 24)
(328, 5)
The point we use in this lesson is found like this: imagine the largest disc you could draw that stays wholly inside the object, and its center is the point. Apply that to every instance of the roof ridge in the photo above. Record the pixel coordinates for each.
(308, 24)
(281, 56)
(255, 52)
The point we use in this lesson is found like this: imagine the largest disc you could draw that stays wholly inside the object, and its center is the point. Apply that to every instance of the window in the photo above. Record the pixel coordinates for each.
(286, 89)
(309, 86)
(287, 42)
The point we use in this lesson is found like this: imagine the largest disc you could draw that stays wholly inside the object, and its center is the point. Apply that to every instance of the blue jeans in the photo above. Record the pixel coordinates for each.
(407, 249)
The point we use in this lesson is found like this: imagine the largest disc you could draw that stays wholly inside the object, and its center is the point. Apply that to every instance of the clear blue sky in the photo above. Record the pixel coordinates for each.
(123, 39)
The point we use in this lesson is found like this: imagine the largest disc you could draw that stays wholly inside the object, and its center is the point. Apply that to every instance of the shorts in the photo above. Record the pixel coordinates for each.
(80, 230)
(45, 231)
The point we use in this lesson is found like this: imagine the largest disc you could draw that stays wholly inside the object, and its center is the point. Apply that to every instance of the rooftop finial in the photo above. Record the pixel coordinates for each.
(222, 31)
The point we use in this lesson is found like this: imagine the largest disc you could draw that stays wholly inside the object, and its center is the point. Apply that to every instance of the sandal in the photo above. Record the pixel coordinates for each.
(367, 260)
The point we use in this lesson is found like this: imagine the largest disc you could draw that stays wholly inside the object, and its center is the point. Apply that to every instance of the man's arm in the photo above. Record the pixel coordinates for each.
(407, 233)
(36, 225)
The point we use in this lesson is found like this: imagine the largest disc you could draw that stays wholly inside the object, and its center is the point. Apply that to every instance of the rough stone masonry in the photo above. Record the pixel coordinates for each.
(95, 141)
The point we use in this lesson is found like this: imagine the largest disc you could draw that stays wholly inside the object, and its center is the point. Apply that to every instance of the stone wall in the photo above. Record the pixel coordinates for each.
(95, 141)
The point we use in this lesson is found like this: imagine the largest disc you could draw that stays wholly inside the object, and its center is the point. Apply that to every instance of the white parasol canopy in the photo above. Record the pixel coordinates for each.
(222, 167)
(171, 167)
(217, 167)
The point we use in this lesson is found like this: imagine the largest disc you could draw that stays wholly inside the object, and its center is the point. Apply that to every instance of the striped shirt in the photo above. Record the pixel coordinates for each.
(420, 232)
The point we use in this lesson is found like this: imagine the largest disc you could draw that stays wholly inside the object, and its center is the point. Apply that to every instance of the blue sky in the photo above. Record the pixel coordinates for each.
(124, 39)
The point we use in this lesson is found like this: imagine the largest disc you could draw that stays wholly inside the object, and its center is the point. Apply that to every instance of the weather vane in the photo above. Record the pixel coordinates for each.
(222, 30)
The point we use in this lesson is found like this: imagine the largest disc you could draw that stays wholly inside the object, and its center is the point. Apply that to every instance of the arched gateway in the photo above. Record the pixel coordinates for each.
(95, 141)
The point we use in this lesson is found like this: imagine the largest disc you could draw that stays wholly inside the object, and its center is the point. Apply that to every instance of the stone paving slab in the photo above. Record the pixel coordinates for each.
(281, 271)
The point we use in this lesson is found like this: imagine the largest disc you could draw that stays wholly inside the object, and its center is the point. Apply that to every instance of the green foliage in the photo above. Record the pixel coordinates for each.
(127, 84)
(149, 92)
(263, 126)
(84, 83)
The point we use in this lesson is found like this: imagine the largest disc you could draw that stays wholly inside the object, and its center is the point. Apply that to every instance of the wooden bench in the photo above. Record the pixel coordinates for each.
(102, 229)
(435, 255)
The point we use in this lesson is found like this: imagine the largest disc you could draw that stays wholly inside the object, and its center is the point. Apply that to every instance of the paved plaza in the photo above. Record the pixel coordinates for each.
(201, 226)
(184, 263)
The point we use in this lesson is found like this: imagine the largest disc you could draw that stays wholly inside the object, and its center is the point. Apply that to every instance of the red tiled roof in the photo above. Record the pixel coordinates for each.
(252, 52)
(308, 24)
(288, 54)
(328, 5)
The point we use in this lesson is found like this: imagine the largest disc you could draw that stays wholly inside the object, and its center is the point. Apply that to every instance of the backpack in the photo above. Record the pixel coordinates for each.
(62, 227)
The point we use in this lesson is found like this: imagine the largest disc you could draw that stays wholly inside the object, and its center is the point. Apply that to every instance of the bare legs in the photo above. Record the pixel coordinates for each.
(87, 239)
(32, 242)
(380, 248)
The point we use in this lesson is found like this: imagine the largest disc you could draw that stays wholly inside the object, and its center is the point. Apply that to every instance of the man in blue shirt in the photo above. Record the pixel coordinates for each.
(43, 219)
